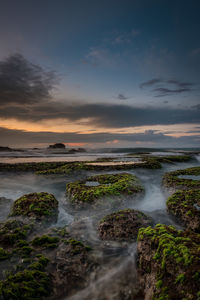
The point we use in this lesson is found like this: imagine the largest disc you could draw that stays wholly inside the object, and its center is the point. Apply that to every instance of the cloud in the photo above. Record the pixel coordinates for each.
(163, 87)
(150, 82)
(100, 56)
(124, 37)
(122, 97)
(180, 83)
(149, 137)
(22, 82)
(104, 115)
(166, 92)
(25, 94)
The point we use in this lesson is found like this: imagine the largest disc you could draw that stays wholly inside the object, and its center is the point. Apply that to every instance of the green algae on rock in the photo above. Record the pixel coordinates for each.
(169, 263)
(123, 225)
(4, 254)
(40, 206)
(171, 179)
(148, 163)
(109, 185)
(13, 231)
(172, 158)
(31, 283)
(65, 168)
(186, 206)
(45, 241)
(28, 167)
(48, 272)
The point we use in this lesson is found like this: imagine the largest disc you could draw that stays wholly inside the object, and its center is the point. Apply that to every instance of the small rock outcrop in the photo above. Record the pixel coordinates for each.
(38, 206)
(57, 146)
(185, 205)
(172, 180)
(123, 225)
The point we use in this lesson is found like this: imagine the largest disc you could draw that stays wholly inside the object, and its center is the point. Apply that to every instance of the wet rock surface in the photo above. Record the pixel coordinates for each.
(109, 185)
(37, 262)
(172, 180)
(44, 267)
(123, 225)
(39, 206)
(185, 206)
(169, 263)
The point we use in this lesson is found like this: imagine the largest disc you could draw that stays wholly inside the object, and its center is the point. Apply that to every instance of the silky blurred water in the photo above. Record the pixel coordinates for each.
(117, 262)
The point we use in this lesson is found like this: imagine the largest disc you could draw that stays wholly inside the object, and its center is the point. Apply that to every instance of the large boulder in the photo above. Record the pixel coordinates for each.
(169, 264)
(123, 225)
(39, 206)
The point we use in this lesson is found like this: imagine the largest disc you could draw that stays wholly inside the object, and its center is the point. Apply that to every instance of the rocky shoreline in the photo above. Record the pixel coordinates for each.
(42, 262)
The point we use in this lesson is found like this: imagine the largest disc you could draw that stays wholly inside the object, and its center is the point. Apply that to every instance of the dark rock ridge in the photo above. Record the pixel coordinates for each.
(123, 225)
(2, 149)
(47, 168)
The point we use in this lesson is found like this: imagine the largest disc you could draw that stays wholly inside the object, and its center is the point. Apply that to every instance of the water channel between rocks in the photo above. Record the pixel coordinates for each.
(117, 260)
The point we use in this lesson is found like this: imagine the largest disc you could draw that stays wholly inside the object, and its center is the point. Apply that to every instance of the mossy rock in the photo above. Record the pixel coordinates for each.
(45, 241)
(40, 206)
(30, 167)
(31, 283)
(56, 264)
(13, 231)
(109, 185)
(4, 254)
(171, 179)
(186, 206)
(65, 168)
(169, 263)
(123, 225)
(171, 158)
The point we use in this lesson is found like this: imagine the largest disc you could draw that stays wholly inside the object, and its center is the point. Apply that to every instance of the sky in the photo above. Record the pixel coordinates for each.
(96, 74)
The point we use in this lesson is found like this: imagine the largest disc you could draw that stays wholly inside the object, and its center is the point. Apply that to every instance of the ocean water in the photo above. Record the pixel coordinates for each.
(118, 264)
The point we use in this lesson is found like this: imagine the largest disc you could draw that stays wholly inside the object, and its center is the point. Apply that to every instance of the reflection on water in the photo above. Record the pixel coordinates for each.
(92, 183)
(114, 163)
(193, 177)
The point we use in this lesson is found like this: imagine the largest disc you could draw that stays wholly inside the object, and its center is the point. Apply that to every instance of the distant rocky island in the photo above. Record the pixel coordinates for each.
(8, 149)
(61, 146)
(56, 146)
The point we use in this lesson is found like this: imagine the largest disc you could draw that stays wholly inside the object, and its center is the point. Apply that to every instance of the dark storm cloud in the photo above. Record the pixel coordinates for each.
(167, 87)
(25, 95)
(150, 82)
(122, 97)
(113, 116)
(180, 84)
(9, 136)
(166, 92)
(22, 82)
